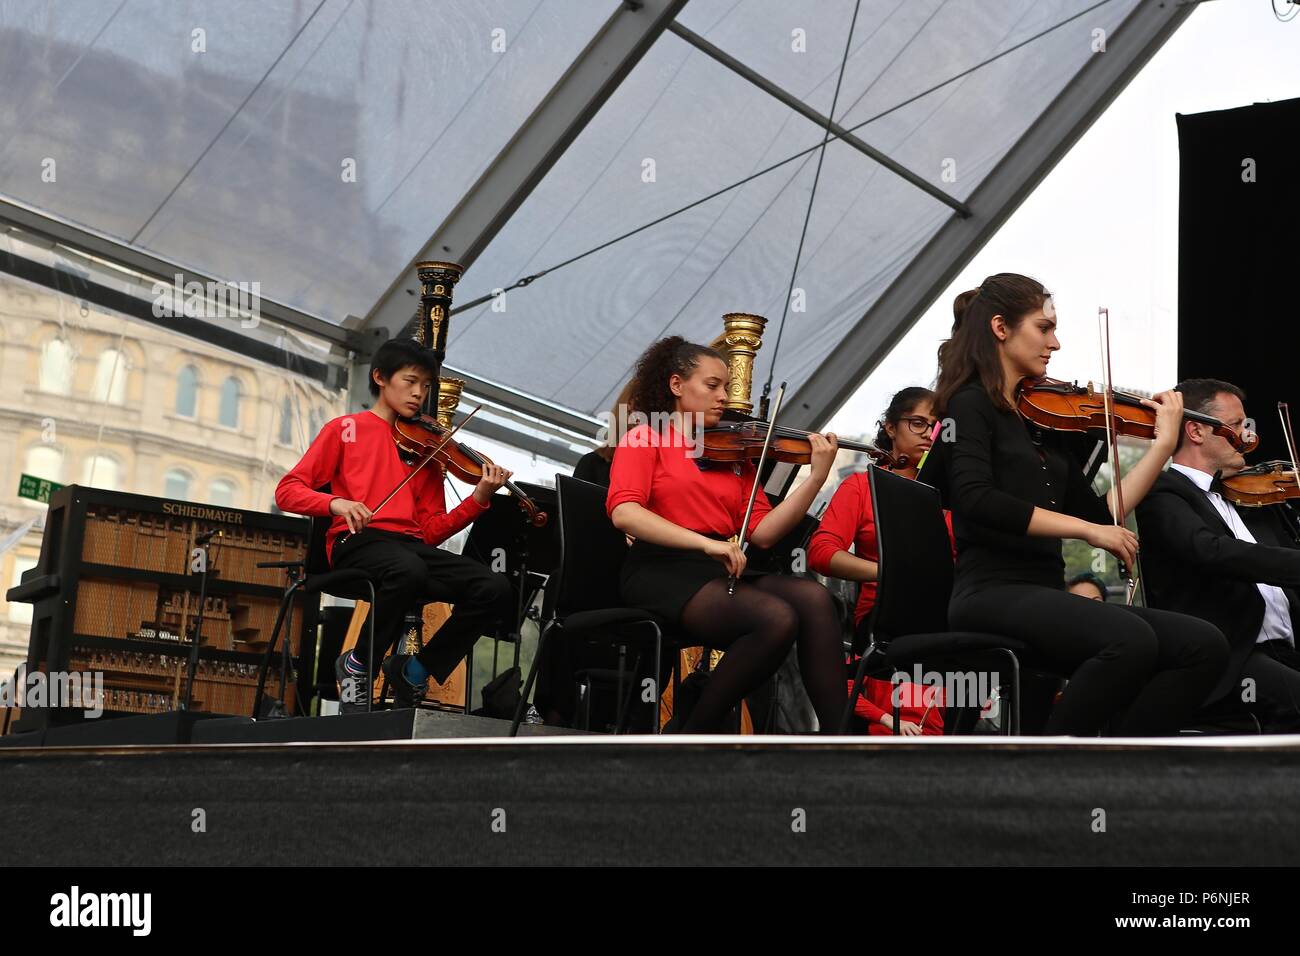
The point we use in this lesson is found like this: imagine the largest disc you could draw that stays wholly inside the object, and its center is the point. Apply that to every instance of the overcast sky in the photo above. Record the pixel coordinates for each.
(1102, 228)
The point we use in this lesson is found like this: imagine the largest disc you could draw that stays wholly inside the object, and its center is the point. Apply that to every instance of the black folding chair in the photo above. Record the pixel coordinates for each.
(581, 599)
(314, 576)
(908, 623)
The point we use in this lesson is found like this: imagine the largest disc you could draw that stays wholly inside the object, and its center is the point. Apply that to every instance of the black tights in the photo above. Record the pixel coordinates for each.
(756, 626)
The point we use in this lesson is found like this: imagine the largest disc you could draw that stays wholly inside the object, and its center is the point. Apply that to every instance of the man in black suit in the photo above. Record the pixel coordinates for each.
(1237, 568)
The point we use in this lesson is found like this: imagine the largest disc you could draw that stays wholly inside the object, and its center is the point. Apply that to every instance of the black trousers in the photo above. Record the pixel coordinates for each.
(1133, 671)
(407, 572)
(1274, 666)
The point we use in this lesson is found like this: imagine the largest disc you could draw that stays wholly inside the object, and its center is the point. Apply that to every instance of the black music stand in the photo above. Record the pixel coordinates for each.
(531, 554)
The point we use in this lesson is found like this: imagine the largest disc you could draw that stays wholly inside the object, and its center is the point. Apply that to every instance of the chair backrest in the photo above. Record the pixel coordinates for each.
(915, 567)
(592, 551)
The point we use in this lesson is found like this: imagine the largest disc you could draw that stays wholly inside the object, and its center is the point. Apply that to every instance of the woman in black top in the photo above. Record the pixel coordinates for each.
(594, 466)
(1015, 491)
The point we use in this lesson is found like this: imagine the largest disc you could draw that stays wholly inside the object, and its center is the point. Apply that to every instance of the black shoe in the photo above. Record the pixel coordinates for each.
(405, 694)
(352, 690)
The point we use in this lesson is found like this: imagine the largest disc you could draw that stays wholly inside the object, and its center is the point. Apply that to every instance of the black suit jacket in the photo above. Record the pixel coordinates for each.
(1192, 563)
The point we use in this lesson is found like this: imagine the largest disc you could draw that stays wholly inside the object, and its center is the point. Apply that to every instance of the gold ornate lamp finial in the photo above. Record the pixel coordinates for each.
(449, 390)
(739, 343)
(437, 282)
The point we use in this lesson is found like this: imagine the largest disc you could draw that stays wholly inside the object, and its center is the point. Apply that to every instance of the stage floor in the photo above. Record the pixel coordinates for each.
(1201, 801)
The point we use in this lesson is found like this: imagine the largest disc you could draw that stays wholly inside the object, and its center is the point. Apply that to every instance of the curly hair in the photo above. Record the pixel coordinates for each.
(660, 362)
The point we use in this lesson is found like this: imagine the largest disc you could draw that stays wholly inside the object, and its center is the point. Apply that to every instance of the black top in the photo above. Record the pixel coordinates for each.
(994, 470)
(592, 467)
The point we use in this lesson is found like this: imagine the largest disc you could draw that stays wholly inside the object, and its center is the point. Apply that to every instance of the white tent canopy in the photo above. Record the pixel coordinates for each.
(322, 147)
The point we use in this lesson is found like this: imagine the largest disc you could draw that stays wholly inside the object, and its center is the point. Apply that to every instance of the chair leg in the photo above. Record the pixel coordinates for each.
(677, 688)
(265, 665)
(1011, 725)
(370, 652)
(618, 691)
(896, 698)
(659, 663)
(528, 684)
(582, 704)
(856, 692)
(625, 699)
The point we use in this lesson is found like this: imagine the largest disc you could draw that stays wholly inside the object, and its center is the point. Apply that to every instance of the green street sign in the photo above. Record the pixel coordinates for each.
(37, 489)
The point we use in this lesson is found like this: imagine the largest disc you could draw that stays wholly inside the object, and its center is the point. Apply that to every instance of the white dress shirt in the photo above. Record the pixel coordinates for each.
(1277, 610)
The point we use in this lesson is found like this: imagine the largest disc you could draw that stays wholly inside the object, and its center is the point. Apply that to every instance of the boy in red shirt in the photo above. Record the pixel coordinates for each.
(356, 457)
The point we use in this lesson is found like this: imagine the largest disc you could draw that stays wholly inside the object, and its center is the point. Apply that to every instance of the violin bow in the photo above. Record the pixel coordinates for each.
(934, 699)
(1284, 413)
(758, 471)
(1118, 511)
(427, 458)
(1288, 435)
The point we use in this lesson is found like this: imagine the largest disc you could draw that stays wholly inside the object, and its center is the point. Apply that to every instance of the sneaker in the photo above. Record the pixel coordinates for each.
(405, 694)
(352, 692)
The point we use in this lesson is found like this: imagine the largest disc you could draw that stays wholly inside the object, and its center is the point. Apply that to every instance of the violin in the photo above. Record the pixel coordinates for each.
(1268, 483)
(743, 441)
(1067, 406)
(421, 436)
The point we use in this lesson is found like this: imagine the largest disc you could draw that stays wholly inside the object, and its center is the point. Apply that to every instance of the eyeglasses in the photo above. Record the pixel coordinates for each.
(918, 425)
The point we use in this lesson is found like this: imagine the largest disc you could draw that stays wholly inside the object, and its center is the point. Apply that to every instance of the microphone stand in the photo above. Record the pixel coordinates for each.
(201, 544)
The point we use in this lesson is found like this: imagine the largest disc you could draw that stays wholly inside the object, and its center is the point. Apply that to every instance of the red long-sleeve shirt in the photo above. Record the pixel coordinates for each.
(657, 473)
(914, 701)
(850, 523)
(356, 457)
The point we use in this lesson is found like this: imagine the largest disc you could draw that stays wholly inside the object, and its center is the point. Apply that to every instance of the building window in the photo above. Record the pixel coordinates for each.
(317, 421)
(110, 378)
(187, 392)
(176, 484)
(229, 414)
(56, 367)
(101, 471)
(222, 492)
(286, 421)
(45, 461)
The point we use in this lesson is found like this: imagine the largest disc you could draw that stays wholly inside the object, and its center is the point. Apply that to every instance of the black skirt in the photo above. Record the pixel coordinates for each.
(662, 580)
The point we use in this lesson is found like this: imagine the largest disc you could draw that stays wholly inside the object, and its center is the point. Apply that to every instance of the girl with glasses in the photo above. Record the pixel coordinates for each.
(844, 545)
